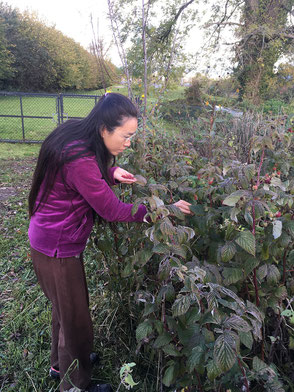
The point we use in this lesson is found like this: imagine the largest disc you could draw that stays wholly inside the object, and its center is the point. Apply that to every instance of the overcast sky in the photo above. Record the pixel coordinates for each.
(72, 18)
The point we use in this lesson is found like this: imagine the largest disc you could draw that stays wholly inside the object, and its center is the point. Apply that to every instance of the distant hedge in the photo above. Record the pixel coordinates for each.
(36, 57)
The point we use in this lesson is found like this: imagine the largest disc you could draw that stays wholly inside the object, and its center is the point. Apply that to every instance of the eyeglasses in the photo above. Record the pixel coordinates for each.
(128, 139)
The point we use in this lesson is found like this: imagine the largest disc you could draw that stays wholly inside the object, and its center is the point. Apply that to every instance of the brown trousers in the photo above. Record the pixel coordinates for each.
(64, 284)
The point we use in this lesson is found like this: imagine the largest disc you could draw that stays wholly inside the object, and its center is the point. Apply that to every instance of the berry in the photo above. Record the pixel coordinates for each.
(255, 187)
(278, 214)
(274, 168)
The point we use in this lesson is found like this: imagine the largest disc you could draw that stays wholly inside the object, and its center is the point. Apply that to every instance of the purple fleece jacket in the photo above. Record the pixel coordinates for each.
(61, 226)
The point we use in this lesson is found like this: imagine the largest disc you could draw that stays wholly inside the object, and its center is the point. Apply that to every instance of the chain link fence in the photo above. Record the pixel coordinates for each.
(30, 117)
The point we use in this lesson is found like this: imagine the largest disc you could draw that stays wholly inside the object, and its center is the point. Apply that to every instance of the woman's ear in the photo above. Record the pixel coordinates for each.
(103, 130)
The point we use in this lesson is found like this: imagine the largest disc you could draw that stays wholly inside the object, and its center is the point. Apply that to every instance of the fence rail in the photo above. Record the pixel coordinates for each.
(30, 117)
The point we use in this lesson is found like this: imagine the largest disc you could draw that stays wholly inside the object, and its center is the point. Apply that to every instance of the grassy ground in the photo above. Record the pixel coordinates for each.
(24, 320)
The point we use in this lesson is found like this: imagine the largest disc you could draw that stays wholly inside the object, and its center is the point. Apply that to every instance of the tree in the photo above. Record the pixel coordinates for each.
(105, 68)
(37, 57)
(151, 48)
(6, 57)
(264, 33)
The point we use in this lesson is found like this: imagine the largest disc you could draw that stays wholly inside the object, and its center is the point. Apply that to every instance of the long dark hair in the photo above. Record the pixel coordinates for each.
(57, 149)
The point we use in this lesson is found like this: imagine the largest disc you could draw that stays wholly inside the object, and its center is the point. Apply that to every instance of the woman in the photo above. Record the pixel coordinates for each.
(72, 180)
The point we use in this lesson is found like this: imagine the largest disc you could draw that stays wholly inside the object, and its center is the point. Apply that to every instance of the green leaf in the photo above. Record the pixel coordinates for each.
(190, 233)
(129, 381)
(285, 240)
(246, 339)
(128, 270)
(174, 210)
(234, 197)
(236, 322)
(142, 257)
(265, 251)
(162, 340)
(273, 274)
(161, 249)
(247, 241)
(213, 371)
(208, 335)
(232, 275)
(275, 181)
(126, 368)
(167, 292)
(224, 351)
(136, 204)
(250, 264)
(169, 376)
(181, 305)
(105, 245)
(154, 200)
(254, 311)
(289, 226)
(149, 308)
(195, 358)
(258, 364)
(178, 250)
(281, 293)
(262, 272)
(140, 180)
(249, 171)
(228, 251)
(248, 217)
(171, 350)
(198, 210)
(234, 214)
(143, 330)
(167, 227)
(291, 257)
(277, 228)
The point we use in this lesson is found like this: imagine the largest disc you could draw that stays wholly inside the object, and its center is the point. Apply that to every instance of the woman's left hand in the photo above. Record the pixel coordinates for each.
(124, 176)
(184, 206)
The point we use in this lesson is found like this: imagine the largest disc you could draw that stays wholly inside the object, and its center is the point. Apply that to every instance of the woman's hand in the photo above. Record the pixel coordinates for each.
(184, 206)
(124, 176)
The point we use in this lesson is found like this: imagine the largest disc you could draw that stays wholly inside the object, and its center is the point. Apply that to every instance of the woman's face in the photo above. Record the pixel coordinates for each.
(120, 139)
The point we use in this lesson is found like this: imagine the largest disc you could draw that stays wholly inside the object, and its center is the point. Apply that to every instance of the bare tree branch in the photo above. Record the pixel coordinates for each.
(164, 36)
(144, 22)
(225, 24)
(119, 45)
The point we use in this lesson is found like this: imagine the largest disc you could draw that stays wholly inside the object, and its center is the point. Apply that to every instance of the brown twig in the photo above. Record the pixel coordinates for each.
(243, 372)
(284, 265)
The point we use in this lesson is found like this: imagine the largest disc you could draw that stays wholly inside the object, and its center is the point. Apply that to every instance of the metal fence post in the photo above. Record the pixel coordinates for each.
(58, 109)
(22, 119)
(61, 107)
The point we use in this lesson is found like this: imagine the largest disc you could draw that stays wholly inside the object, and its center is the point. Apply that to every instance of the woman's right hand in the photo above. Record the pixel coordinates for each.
(184, 206)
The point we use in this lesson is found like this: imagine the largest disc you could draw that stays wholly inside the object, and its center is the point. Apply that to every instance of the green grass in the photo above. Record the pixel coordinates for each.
(25, 315)
(16, 151)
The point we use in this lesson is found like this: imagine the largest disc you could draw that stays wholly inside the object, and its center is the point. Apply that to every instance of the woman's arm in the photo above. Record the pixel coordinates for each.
(84, 176)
